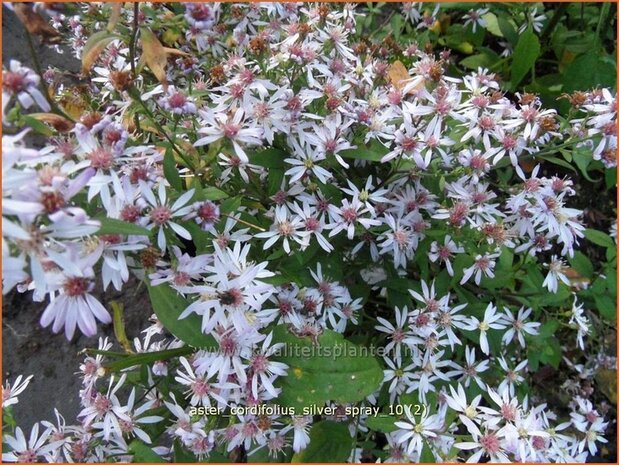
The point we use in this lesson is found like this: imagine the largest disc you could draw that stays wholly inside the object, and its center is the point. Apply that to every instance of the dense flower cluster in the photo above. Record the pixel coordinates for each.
(300, 169)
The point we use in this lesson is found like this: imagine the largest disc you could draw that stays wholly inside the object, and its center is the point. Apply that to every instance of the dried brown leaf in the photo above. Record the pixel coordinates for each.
(94, 47)
(154, 54)
(59, 123)
(35, 23)
(114, 16)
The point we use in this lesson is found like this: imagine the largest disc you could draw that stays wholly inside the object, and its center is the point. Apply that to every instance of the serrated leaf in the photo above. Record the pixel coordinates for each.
(526, 52)
(114, 226)
(330, 442)
(168, 306)
(94, 47)
(332, 369)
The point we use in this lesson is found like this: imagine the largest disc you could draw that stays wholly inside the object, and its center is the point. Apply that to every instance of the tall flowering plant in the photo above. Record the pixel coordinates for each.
(353, 250)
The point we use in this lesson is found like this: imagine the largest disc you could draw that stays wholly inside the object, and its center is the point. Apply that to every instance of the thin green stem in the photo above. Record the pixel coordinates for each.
(550, 26)
(603, 13)
(132, 44)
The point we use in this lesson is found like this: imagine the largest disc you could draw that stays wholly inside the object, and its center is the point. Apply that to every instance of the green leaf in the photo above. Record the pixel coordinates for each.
(182, 455)
(269, 158)
(38, 126)
(583, 158)
(384, 423)
(143, 454)
(426, 454)
(507, 29)
(551, 352)
(606, 307)
(168, 305)
(548, 328)
(589, 71)
(330, 442)
(582, 264)
(171, 172)
(211, 193)
(331, 369)
(526, 52)
(599, 238)
(230, 205)
(492, 24)
(274, 181)
(147, 358)
(114, 226)
(484, 60)
(373, 152)
(560, 162)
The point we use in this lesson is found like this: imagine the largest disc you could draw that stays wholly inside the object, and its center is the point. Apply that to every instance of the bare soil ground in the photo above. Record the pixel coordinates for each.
(27, 348)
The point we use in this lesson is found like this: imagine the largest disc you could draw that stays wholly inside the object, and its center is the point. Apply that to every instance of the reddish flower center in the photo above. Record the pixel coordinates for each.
(231, 130)
(102, 404)
(13, 82)
(177, 100)
(101, 159)
(74, 287)
(490, 443)
(231, 297)
(160, 215)
(200, 12)
(312, 224)
(349, 215)
(130, 213)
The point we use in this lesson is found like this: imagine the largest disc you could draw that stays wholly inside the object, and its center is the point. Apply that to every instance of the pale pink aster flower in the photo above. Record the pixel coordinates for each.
(415, 430)
(10, 393)
(444, 253)
(484, 265)
(286, 228)
(22, 82)
(349, 215)
(161, 214)
(28, 450)
(491, 320)
(221, 125)
(74, 305)
(107, 411)
(556, 269)
(517, 326)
